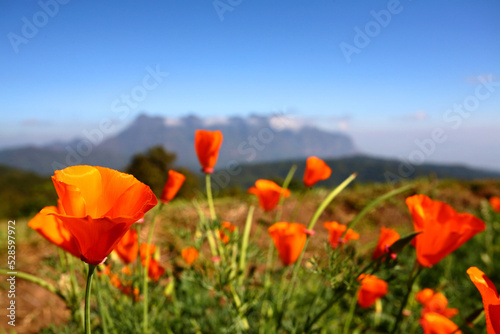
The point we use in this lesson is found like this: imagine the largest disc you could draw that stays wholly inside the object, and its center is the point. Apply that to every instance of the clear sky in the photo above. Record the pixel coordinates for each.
(388, 73)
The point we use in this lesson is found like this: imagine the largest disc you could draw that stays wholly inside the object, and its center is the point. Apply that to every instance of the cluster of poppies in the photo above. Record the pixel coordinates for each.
(97, 207)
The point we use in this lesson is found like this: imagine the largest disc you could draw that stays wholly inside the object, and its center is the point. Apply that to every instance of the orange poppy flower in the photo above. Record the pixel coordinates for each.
(226, 226)
(172, 186)
(98, 206)
(372, 288)
(128, 247)
(289, 239)
(53, 229)
(155, 270)
(316, 170)
(495, 203)
(207, 145)
(443, 229)
(436, 302)
(190, 254)
(335, 231)
(385, 240)
(435, 323)
(491, 300)
(143, 251)
(268, 193)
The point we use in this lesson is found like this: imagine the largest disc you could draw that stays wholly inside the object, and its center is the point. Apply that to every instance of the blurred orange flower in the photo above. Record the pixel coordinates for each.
(443, 229)
(190, 254)
(491, 301)
(228, 227)
(53, 229)
(435, 323)
(128, 247)
(289, 239)
(143, 251)
(436, 302)
(372, 288)
(97, 206)
(172, 186)
(335, 231)
(268, 193)
(155, 270)
(207, 145)
(495, 203)
(316, 170)
(385, 240)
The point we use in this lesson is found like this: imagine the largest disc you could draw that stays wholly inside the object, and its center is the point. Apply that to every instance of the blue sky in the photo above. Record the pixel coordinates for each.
(67, 64)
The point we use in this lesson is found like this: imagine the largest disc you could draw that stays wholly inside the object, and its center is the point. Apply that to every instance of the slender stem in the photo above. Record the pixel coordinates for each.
(87, 298)
(244, 246)
(33, 279)
(209, 197)
(210, 237)
(374, 203)
(411, 280)
(328, 199)
(102, 309)
(286, 183)
(146, 271)
(318, 316)
(350, 315)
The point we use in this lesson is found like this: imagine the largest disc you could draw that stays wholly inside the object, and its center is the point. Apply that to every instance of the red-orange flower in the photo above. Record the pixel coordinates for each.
(443, 229)
(289, 239)
(228, 227)
(495, 203)
(155, 270)
(190, 254)
(207, 145)
(435, 323)
(128, 247)
(268, 193)
(98, 206)
(372, 288)
(436, 302)
(385, 240)
(491, 300)
(172, 186)
(53, 229)
(335, 232)
(316, 170)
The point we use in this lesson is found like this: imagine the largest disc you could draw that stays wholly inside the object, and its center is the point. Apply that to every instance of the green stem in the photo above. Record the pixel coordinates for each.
(286, 183)
(87, 298)
(33, 279)
(210, 238)
(209, 197)
(374, 203)
(350, 315)
(244, 246)
(411, 280)
(146, 271)
(102, 311)
(318, 316)
(328, 199)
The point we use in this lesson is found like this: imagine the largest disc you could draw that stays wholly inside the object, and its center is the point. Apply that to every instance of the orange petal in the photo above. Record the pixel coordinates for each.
(268, 193)
(386, 238)
(372, 288)
(207, 145)
(443, 229)
(189, 254)
(289, 239)
(490, 298)
(316, 170)
(435, 323)
(172, 186)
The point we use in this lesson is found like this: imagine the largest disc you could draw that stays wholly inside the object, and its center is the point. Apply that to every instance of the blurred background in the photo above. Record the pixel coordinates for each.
(396, 89)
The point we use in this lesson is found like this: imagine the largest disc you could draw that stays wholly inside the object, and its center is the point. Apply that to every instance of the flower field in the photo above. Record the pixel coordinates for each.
(110, 257)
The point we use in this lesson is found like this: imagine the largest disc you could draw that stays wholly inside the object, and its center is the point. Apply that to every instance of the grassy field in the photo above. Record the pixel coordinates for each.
(186, 300)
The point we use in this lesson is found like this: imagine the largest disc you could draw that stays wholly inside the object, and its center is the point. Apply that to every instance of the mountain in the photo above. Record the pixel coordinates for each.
(253, 139)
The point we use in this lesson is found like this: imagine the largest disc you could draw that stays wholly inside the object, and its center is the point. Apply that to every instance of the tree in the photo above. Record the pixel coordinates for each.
(152, 168)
